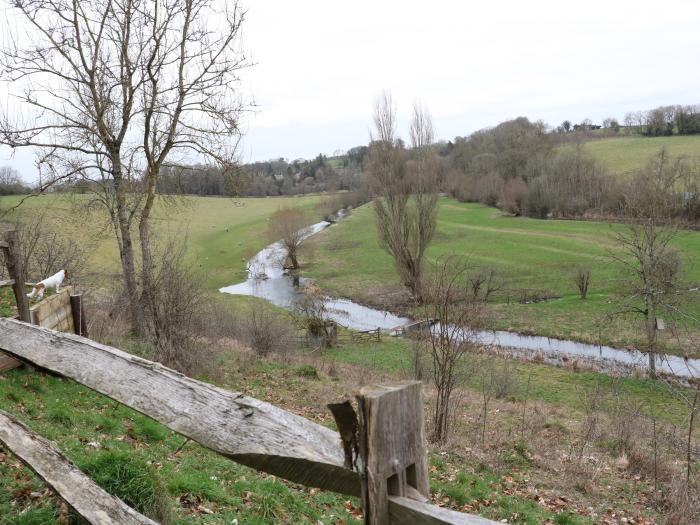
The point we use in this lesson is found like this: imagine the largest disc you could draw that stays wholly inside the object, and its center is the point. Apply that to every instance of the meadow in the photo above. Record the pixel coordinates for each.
(539, 256)
(529, 430)
(530, 256)
(222, 233)
(624, 155)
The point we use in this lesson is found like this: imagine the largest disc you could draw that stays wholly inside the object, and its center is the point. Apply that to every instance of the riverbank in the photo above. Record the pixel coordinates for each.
(268, 280)
(528, 255)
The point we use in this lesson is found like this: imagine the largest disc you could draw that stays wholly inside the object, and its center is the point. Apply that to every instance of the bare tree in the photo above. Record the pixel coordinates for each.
(289, 227)
(405, 186)
(652, 267)
(582, 278)
(114, 92)
(456, 317)
(46, 249)
(486, 280)
(11, 182)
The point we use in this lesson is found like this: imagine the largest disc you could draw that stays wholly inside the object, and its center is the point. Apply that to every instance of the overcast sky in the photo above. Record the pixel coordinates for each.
(321, 64)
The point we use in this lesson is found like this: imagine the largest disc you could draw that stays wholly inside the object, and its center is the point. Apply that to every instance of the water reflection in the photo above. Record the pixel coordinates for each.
(268, 280)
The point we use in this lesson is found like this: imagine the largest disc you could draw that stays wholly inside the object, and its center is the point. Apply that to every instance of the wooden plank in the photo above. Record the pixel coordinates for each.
(16, 270)
(3, 244)
(9, 282)
(8, 363)
(79, 491)
(392, 446)
(55, 311)
(406, 510)
(248, 431)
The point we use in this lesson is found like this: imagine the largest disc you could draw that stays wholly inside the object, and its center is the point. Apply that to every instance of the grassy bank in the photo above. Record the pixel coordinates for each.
(527, 254)
(506, 479)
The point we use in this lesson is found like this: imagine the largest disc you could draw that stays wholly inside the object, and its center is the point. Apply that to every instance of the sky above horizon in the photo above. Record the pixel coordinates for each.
(320, 65)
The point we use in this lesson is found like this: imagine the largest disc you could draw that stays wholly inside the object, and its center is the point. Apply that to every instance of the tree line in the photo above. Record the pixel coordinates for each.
(522, 169)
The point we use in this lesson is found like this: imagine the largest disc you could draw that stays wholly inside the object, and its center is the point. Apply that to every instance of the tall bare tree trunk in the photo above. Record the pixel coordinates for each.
(148, 299)
(126, 250)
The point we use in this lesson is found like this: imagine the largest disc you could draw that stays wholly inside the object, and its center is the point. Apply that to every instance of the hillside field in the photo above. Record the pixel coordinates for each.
(623, 155)
(537, 255)
(222, 233)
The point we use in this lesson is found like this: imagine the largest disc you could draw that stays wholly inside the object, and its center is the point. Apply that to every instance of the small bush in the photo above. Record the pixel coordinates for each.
(133, 481)
(266, 332)
(307, 371)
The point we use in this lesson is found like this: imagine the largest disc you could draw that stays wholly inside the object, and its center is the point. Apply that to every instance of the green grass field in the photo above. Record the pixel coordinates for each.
(102, 437)
(527, 253)
(222, 233)
(623, 155)
(347, 260)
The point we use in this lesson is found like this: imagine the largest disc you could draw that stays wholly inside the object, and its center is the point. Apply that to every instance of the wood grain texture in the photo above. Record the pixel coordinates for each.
(394, 446)
(78, 311)
(78, 490)
(406, 510)
(55, 312)
(248, 431)
(9, 282)
(8, 363)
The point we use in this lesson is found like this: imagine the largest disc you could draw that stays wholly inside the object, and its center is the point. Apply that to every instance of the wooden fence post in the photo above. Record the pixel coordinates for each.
(78, 310)
(392, 448)
(17, 273)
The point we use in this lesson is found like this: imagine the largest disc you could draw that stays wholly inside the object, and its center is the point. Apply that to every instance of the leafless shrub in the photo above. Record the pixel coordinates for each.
(266, 332)
(46, 250)
(582, 278)
(683, 504)
(321, 331)
(287, 225)
(642, 463)
(420, 361)
(178, 309)
(513, 198)
(484, 283)
(592, 403)
(503, 380)
(457, 317)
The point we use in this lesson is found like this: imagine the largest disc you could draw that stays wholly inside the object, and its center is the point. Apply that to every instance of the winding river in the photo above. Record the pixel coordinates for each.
(268, 280)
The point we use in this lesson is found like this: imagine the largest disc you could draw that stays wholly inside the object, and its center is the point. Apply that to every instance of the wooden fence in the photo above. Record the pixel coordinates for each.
(63, 311)
(379, 454)
(366, 336)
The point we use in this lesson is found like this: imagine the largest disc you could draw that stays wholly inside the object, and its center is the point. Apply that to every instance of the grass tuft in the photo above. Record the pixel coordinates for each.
(133, 481)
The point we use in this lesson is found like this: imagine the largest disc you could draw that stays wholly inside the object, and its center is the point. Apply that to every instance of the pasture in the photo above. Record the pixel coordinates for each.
(222, 233)
(538, 256)
(624, 155)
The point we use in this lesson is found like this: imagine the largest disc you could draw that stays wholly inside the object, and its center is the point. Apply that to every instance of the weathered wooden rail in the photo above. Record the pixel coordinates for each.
(78, 490)
(388, 472)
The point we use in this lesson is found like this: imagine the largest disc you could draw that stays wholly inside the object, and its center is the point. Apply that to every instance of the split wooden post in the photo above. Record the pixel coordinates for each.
(17, 273)
(392, 448)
